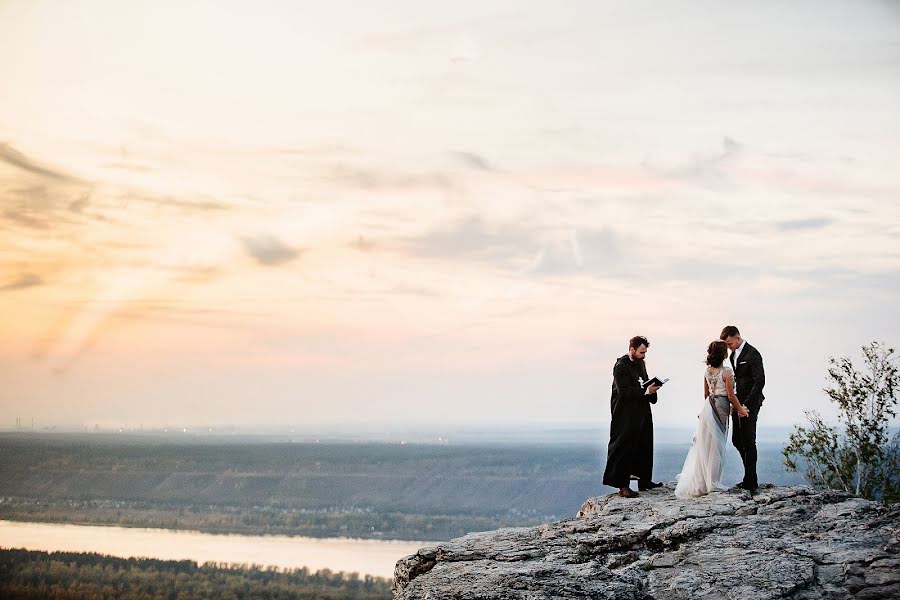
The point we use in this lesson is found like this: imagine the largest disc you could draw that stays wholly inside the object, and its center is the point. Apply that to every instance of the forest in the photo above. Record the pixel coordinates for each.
(29, 575)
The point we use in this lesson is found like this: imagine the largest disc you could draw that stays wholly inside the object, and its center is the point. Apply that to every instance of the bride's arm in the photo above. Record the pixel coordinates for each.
(729, 387)
(705, 388)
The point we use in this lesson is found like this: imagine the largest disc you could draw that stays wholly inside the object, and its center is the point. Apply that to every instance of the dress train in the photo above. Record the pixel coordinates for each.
(703, 467)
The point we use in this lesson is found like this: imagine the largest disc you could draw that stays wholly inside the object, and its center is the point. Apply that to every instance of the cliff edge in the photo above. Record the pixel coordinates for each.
(783, 542)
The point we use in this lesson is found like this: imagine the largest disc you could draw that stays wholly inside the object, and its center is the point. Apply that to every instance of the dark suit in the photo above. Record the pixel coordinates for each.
(749, 378)
(630, 450)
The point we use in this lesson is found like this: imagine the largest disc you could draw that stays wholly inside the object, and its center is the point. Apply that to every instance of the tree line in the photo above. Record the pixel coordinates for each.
(27, 575)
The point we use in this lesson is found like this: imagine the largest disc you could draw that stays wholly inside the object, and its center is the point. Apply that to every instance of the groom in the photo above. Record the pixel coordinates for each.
(630, 451)
(749, 379)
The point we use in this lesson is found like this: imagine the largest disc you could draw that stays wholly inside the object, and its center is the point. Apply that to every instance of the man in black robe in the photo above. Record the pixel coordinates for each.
(630, 451)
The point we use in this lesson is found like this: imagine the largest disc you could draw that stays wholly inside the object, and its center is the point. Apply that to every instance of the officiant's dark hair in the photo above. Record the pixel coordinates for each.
(716, 353)
(637, 341)
(729, 331)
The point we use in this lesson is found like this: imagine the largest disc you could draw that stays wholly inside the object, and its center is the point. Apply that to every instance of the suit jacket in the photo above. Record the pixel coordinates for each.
(749, 376)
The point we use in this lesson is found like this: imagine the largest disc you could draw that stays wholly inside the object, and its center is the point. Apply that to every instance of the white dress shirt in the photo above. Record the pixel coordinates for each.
(737, 353)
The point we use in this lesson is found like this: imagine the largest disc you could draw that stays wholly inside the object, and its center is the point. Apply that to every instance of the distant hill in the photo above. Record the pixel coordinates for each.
(388, 490)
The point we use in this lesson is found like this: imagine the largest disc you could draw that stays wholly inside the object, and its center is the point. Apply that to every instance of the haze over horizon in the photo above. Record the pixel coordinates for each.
(395, 213)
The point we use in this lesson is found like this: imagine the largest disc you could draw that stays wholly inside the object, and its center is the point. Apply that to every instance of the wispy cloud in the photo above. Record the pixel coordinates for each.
(363, 244)
(707, 168)
(804, 224)
(409, 290)
(45, 206)
(268, 250)
(25, 280)
(370, 179)
(475, 161)
(198, 204)
(125, 166)
(598, 251)
(475, 239)
(13, 157)
(526, 249)
(79, 203)
(27, 218)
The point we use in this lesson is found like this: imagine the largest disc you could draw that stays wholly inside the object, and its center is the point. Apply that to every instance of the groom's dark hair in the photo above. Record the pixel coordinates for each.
(637, 341)
(729, 331)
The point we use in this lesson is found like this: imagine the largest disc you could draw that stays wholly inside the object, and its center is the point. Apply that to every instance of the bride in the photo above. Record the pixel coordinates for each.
(702, 470)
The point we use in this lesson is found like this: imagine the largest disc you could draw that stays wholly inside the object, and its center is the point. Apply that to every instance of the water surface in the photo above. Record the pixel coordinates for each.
(366, 557)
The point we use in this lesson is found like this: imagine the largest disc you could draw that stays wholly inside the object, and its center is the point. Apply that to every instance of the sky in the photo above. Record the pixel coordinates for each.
(408, 214)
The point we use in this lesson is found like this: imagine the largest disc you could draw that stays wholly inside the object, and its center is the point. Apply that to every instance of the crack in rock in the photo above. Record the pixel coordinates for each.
(784, 542)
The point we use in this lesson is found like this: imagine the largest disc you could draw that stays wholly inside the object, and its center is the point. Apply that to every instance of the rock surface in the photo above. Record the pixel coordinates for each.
(783, 542)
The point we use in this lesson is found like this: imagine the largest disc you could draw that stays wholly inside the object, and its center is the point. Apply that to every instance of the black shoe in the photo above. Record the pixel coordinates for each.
(627, 492)
(649, 485)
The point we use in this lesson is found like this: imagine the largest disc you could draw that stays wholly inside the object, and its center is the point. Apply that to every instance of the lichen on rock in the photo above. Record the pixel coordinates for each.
(782, 542)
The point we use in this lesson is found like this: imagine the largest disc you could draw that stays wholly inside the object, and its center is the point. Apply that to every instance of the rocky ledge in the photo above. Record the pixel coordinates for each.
(782, 542)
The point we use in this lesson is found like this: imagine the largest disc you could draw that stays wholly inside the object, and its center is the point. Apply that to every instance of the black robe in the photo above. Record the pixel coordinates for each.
(630, 449)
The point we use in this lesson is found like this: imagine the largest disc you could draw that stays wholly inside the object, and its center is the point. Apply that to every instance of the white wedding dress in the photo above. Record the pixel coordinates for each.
(702, 470)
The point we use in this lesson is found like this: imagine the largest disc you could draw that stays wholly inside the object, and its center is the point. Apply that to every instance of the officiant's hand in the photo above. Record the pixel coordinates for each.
(743, 412)
(652, 389)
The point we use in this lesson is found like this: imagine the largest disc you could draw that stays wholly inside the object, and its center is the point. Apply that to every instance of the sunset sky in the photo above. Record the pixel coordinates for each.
(421, 213)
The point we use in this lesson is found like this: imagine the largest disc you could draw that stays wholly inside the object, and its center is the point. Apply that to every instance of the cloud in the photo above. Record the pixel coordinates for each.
(79, 203)
(317, 151)
(25, 280)
(268, 250)
(369, 179)
(597, 251)
(188, 273)
(804, 224)
(28, 218)
(133, 167)
(43, 206)
(362, 244)
(703, 168)
(409, 290)
(701, 270)
(13, 157)
(474, 161)
(852, 283)
(532, 250)
(210, 317)
(474, 239)
(198, 204)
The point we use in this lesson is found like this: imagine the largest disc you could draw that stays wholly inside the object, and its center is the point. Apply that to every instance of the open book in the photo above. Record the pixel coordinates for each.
(655, 381)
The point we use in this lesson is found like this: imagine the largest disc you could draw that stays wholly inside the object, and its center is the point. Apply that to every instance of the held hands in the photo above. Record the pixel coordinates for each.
(743, 412)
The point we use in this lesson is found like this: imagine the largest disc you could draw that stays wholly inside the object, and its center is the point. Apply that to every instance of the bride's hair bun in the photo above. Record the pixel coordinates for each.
(716, 353)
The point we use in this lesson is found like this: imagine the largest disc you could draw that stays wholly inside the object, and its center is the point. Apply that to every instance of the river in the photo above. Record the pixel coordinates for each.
(366, 557)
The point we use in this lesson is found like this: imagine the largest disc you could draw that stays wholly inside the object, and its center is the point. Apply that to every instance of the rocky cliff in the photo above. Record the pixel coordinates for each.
(783, 542)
